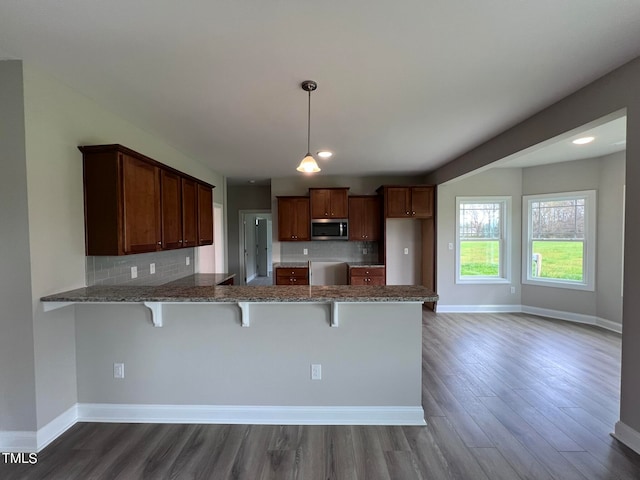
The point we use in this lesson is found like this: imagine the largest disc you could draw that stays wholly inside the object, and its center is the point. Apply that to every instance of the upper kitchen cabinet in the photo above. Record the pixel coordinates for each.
(407, 202)
(293, 219)
(171, 188)
(364, 218)
(329, 202)
(190, 209)
(205, 214)
(134, 204)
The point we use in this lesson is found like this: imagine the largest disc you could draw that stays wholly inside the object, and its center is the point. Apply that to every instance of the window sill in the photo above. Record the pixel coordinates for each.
(559, 284)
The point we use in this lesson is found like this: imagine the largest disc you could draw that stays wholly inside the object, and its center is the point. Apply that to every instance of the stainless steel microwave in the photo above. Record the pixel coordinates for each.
(330, 229)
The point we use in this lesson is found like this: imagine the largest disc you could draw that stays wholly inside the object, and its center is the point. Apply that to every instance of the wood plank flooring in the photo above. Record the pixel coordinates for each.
(506, 396)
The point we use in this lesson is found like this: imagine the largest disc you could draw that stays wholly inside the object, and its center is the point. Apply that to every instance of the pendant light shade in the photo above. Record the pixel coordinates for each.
(308, 163)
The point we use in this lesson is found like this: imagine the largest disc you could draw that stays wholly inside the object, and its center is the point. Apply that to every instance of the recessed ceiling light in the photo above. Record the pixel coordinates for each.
(252, 181)
(583, 140)
(325, 154)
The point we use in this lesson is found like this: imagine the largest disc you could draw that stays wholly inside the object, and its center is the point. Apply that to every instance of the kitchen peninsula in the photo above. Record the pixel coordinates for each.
(202, 367)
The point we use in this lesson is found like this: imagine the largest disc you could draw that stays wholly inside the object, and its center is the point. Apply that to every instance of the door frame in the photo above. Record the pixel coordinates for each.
(242, 214)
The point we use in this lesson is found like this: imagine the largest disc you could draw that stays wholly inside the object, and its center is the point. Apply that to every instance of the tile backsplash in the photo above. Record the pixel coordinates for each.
(169, 265)
(329, 251)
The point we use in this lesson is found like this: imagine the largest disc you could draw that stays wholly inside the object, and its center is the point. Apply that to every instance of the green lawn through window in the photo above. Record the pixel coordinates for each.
(560, 259)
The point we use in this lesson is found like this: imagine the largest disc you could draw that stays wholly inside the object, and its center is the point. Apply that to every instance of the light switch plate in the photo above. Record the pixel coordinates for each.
(134, 272)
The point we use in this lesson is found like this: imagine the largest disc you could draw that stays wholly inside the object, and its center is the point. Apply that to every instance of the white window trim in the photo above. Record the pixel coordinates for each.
(505, 254)
(589, 259)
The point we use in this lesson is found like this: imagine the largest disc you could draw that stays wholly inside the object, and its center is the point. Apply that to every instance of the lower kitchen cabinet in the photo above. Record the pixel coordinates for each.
(292, 276)
(367, 276)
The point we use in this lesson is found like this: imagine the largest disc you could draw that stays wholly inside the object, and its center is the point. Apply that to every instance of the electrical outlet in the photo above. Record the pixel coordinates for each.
(513, 289)
(364, 251)
(305, 251)
(187, 260)
(406, 251)
(118, 370)
(316, 372)
(152, 268)
(450, 246)
(134, 272)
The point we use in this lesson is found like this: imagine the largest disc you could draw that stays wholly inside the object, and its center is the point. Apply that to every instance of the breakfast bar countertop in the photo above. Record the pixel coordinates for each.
(192, 292)
(202, 280)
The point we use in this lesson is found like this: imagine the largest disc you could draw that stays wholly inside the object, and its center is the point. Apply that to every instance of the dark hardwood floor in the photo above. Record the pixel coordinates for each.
(506, 396)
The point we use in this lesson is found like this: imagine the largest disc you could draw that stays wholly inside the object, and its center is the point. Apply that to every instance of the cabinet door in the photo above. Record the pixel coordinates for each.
(422, 202)
(141, 205)
(338, 203)
(364, 218)
(171, 209)
(205, 215)
(329, 202)
(293, 219)
(398, 201)
(320, 202)
(189, 213)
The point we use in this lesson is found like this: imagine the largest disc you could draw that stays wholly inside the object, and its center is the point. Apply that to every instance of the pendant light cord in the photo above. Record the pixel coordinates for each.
(309, 125)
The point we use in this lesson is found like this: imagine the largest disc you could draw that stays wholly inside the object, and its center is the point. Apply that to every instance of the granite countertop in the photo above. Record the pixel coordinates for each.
(365, 264)
(201, 280)
(290, 265)
(232, 294)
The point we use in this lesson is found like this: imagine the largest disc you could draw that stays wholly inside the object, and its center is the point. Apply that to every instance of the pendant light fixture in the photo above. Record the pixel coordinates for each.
(308, 163)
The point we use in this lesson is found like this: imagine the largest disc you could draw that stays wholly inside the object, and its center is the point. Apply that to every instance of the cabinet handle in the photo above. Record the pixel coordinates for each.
(413, 213)
(179, 241)
(159, 243)
(406, 213)
(326, 214)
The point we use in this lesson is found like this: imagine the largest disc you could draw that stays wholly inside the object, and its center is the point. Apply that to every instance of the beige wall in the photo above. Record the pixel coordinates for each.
(17, 382)
(613, 92)
(495, 182)
(367, 360)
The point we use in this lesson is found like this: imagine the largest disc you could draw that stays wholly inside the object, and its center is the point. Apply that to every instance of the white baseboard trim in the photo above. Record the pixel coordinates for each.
(250, 414)
(36, 441)
(25, 441)
(56, 427)
(17, 441)
(560, 315)
(609, 325)
(251, 277)
(478, 308)
(627, 435)
(542, 312)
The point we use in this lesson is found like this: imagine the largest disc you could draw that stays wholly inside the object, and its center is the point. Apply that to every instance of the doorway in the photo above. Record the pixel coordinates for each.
(255, 252)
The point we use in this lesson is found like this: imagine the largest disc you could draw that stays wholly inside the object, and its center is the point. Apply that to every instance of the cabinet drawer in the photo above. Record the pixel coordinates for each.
(355, 280)
(287, 280)
(298, 272)
(367, 272)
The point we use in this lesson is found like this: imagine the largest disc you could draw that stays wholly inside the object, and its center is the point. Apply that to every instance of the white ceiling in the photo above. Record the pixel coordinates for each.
(403, 86)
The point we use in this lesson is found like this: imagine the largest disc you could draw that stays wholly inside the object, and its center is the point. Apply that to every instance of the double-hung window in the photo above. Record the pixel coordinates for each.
(559, 240)
(482, 239)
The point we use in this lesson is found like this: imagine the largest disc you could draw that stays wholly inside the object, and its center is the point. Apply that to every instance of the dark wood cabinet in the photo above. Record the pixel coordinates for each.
(140, 205)
(364, 218)
(367, 276)
(292, 276)
(171, 187)
(293, 219)
(190, 212)
(407, 202)
(133, 204)
(329, 202)
(205, 215)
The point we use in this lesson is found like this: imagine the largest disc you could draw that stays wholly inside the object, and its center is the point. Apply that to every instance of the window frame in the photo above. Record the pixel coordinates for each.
(505, 241)
(589, 245)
